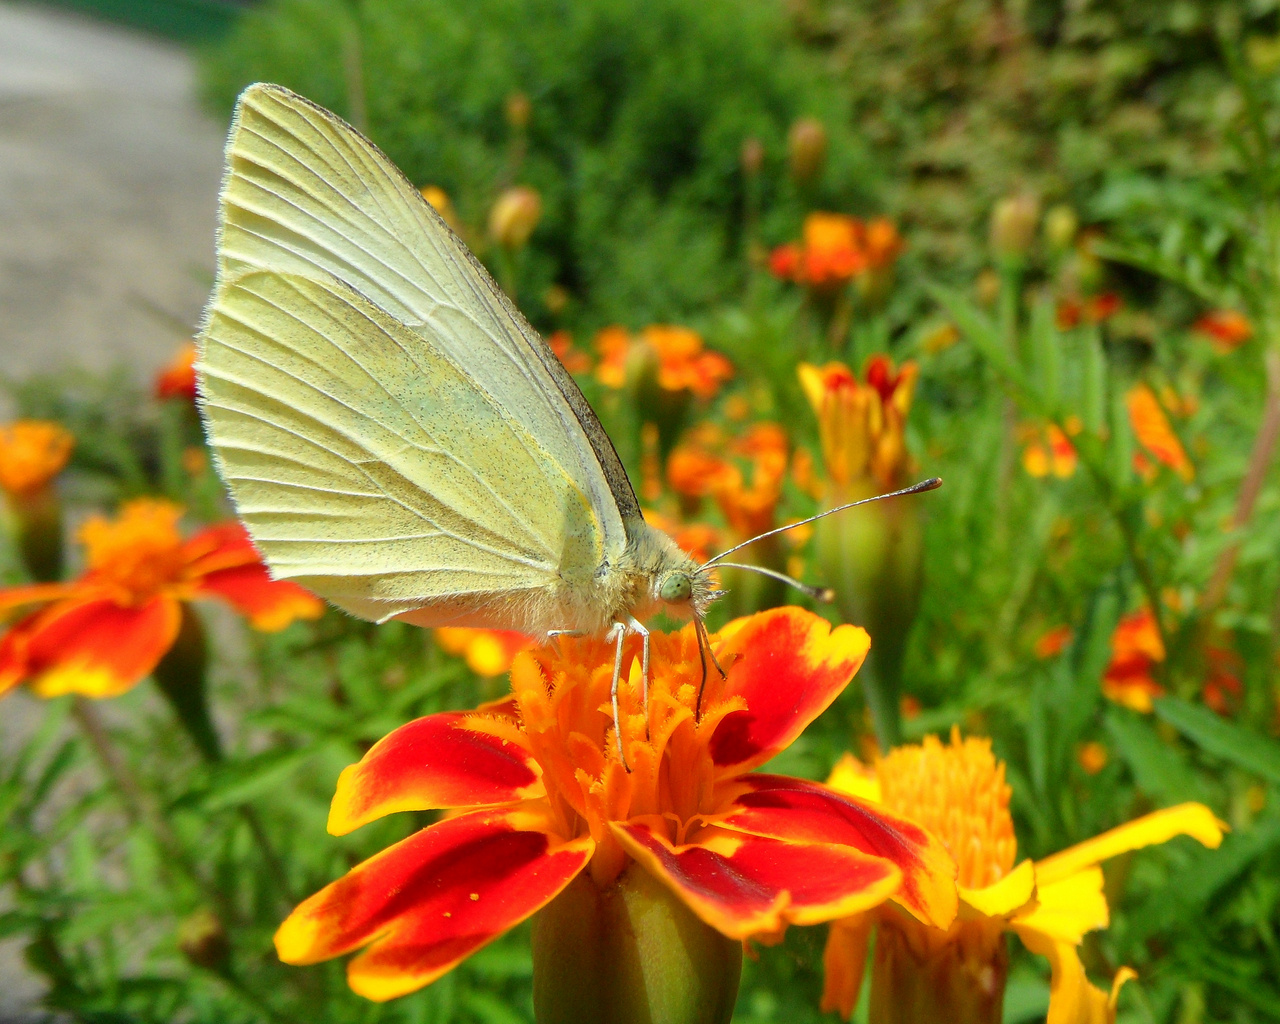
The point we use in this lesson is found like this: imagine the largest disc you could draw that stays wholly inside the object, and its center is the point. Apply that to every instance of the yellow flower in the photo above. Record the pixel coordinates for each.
(861, 423)
(958, 792)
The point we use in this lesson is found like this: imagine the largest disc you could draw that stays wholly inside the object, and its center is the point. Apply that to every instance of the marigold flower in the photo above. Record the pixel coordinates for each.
(693, 469)
(178, 377)
(1053, 642)
(32, 453)
(101, 634)
(682, 361)
(834, 250)
(540, 795)
(958, 792)
(488, 652)
(613, 346)
(1227, 329)
(862, 425)
(1136, 648)
(1093, 310)
(750, 508)
(1151, 427)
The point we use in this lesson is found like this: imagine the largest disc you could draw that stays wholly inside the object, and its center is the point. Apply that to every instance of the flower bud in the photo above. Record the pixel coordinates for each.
(1060, 227)
(918, 981)
(807, 150)
(752, 157)
(514, 216)
(518, 108)
(32, 454)
(1013, 225)
(630, 953)
(203, 940)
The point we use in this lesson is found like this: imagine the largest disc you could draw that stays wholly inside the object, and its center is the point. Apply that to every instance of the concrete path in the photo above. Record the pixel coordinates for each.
(108, 183)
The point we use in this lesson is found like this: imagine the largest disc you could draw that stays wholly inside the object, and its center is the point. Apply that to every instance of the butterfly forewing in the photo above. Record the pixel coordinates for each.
(394, 434)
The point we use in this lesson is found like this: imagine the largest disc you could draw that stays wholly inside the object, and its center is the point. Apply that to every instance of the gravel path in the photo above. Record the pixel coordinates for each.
(108, 182)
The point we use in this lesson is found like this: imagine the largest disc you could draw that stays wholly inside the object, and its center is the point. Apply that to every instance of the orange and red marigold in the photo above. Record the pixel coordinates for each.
(101, 634)
(540, 795)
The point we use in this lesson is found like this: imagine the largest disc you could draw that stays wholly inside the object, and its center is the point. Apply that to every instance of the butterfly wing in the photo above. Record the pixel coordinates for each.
(341, 296)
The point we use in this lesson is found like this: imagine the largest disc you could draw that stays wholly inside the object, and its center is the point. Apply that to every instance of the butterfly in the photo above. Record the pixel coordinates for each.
(395, 435)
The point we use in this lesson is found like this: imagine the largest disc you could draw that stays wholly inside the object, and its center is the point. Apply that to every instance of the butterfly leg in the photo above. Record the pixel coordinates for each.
(554, 635)
(636, 626)
(618, 633)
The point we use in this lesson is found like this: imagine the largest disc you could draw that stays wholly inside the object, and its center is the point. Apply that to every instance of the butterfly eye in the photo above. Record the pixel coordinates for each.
(676, 587)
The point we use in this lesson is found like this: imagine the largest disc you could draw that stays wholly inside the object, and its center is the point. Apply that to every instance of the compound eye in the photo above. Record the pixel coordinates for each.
(676, 588)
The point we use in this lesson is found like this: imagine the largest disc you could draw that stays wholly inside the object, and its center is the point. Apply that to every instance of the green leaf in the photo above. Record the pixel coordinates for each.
(1215, 735)
(982, 334)
(237, 782)
(1159, 768)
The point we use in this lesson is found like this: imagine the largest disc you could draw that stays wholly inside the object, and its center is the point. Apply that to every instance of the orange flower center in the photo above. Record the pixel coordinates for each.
(32, 452)
(567, 719)
(959, 794)
(140, 552)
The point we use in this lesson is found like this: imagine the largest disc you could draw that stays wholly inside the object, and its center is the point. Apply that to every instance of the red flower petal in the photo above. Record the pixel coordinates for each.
(431, 900)
(222, 546)
(790, 666)
(745, 885)
(796, 810)
(92, 646)
(269, 604)
(433, 762)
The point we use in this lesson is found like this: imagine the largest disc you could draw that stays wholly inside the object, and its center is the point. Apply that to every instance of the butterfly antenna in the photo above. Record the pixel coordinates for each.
(924, 485)
(824, 594)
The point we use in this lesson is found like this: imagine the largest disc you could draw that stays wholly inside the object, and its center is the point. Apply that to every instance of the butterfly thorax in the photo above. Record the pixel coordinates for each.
(659, 576)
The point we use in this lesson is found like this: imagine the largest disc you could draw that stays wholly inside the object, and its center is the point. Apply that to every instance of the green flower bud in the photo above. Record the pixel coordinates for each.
(630, 953)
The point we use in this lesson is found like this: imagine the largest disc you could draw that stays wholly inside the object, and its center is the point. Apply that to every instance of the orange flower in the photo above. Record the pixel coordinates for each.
(1151, 426)
(573, 358)
(683, 364)
(178, 378)
(1093, 310)
(958, 792)
(1052, 643)
(1052, 453)
(750, 509)
(488, 652)
(613, 346)
(692, 470)
(103, 633)
(835, 249)
(541, 795)
(1136, 648)
(862, 425)
(1227, 329)
(883, 243)
(32, 452)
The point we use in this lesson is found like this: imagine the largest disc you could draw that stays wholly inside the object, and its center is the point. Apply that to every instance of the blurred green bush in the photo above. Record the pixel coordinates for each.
(639, 110)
